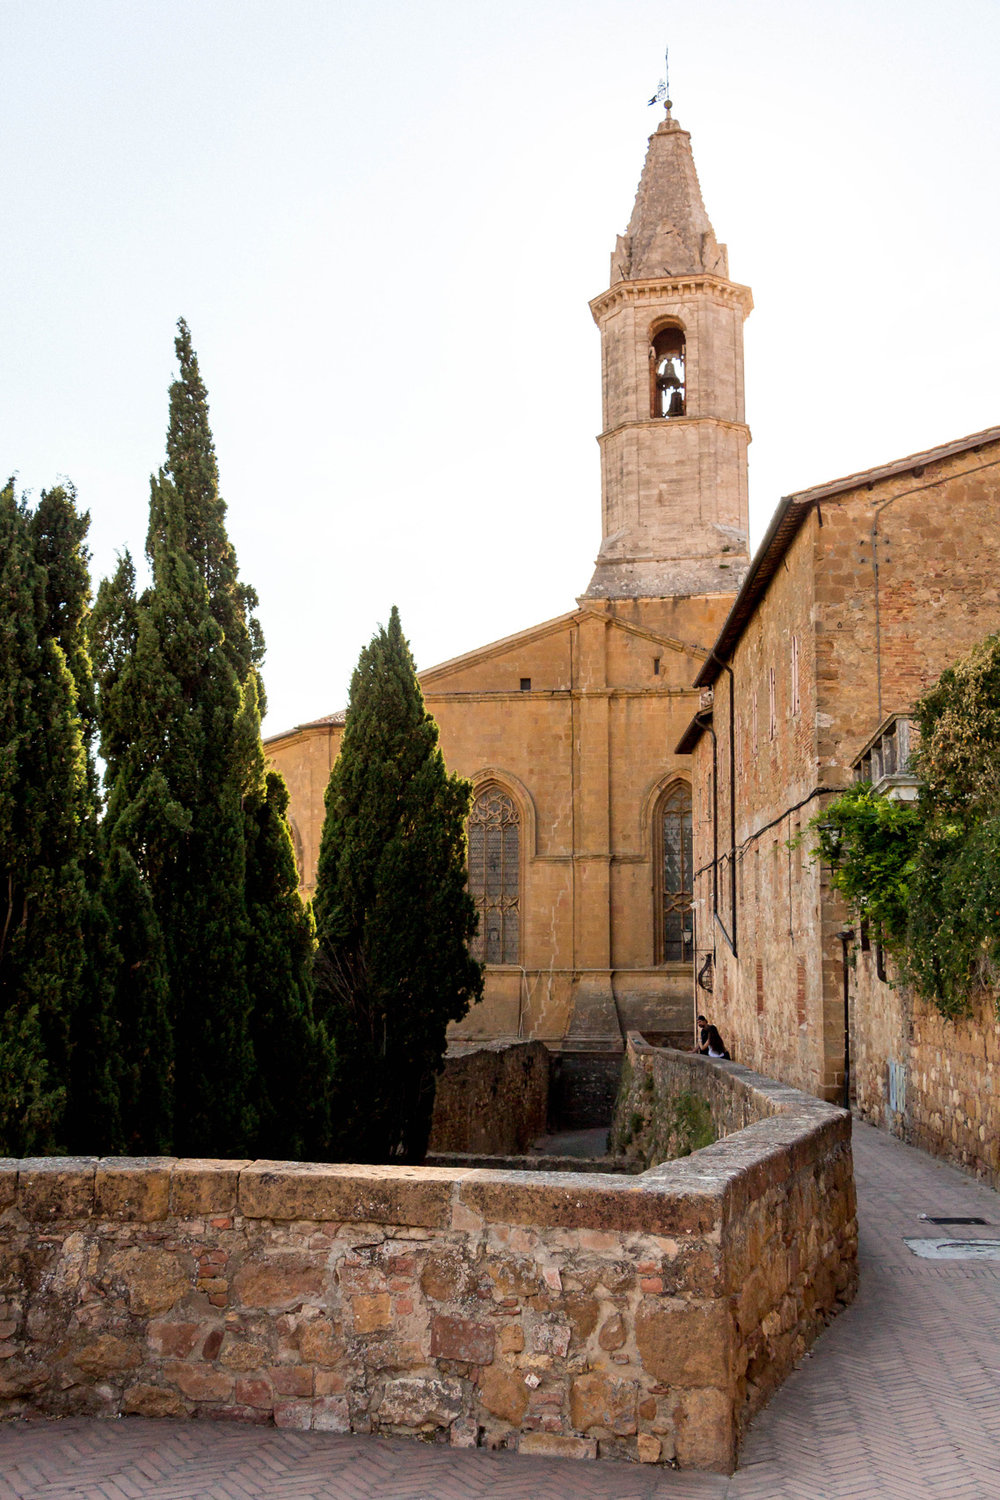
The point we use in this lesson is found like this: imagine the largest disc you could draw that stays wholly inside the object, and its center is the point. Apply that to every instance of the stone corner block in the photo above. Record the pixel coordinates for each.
(133, 1187)
(417, 1401)
(202, 1185)
(417, 1196)
(553, 1445)
(685, 1344)
(56, 1187)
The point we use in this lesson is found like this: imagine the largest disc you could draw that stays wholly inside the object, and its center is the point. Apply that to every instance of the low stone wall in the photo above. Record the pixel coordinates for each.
(932, 1082)
(491, 1099)
(577, 1314)
(671, 1103)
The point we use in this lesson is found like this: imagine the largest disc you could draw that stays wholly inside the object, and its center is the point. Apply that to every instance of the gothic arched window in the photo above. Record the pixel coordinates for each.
(668, 388)
(495, 876)
(674, 936)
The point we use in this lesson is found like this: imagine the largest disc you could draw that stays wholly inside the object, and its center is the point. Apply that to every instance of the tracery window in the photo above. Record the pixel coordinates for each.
(495, 876)
(668, 389)
(675, 935)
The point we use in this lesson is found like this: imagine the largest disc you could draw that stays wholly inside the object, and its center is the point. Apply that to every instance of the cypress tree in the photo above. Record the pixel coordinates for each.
(43, 820)
(140, 985)
(394, 917)
(92, 1124)
(195, 828)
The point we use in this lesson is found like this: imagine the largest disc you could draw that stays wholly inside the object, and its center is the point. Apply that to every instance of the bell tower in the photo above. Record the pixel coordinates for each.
(674, 444)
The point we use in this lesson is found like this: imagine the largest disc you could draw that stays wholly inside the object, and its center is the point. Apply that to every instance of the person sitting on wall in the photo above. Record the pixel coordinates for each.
(712, 1044)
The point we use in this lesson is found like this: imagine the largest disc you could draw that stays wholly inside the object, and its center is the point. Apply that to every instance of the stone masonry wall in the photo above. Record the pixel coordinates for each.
(672, 1103)
(791, 1258)
(884, 586)
(492, 1099)
(567, 1314)
(932, 1082)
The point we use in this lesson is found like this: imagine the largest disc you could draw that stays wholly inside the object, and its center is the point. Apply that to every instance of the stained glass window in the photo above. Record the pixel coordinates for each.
(495, 876)
(674, 875)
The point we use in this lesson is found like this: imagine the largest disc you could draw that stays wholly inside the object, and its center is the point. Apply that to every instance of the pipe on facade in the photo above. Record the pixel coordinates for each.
(733, 943)
(846, 936)
(705, 720)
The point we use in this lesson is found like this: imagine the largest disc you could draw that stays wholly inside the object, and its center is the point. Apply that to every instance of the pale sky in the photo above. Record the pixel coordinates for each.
(383, 222)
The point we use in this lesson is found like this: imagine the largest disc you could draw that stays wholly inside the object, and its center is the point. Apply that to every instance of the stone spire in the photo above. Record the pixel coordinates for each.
(674, 444)
(669, 233)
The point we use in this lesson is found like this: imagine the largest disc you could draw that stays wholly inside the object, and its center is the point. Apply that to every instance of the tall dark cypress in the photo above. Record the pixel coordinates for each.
(43, 817)
(92, 1123)
(393, 914)
(140, 986)
(192, 821)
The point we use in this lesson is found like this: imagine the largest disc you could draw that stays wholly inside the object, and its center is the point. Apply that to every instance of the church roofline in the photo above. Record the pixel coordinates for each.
(548, 627)
(787, 521)
(429, 675)
(327, 721)
(520, 637)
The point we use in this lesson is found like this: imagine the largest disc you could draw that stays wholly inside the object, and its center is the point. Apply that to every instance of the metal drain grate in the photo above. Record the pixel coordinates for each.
(932, 1219)
(954, 1249)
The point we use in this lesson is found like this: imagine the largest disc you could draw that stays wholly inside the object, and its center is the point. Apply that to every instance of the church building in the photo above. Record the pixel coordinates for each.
(580, 841)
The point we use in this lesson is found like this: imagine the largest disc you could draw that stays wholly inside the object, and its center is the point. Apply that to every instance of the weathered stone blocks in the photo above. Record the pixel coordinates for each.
(377, 1195)
(134, 1188)
(461, 1338)
(644, 1318)
(420, 1402)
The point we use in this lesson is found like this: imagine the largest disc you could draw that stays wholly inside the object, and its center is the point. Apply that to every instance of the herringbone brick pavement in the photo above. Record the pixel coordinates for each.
(898, 1399)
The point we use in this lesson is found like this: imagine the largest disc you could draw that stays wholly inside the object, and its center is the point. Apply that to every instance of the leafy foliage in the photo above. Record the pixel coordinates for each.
(870, 844)
(927, 876)
(394, 918)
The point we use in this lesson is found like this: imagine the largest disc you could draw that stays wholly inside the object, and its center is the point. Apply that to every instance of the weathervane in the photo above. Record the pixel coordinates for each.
(662, 95)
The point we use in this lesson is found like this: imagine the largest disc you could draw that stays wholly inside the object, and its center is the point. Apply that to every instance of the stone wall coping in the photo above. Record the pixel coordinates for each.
(693, 1195)
(792, 1128)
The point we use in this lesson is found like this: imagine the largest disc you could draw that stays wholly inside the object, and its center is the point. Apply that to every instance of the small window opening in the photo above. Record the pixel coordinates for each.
(795, 675)
(525, 684)
(656, 666)
(666, 364)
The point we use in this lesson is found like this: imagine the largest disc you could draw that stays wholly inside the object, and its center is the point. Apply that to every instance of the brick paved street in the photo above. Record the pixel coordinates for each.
(899, 1399)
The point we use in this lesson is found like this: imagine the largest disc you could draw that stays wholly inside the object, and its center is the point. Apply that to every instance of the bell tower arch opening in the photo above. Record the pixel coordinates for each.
(667, 382)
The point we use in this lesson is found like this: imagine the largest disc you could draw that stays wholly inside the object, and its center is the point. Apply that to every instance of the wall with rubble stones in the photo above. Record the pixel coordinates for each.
(930, 1081)
(491, 1099)
(577, 1314)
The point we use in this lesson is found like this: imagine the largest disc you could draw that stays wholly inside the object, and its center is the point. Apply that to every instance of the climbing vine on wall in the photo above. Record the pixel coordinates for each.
(925, 876)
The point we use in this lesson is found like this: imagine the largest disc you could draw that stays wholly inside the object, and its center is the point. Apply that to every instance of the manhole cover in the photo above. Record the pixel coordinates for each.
(934, 1219)
(955, 1249)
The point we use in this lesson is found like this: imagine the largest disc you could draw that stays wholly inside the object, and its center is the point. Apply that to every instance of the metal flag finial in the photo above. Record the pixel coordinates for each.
(662, 95)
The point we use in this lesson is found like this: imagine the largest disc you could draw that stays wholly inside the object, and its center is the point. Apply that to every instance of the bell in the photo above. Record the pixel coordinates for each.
(676, 408)
(668, 381)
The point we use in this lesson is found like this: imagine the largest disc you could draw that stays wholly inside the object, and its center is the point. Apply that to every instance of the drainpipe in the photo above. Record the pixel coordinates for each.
(704, 718)
(732, 799)
(845, 937)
